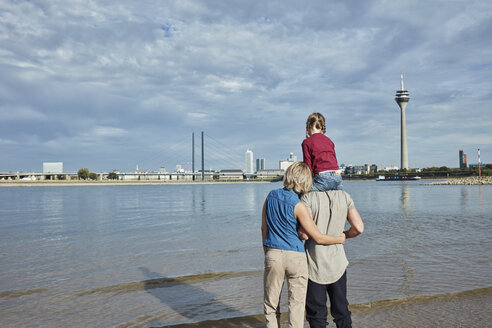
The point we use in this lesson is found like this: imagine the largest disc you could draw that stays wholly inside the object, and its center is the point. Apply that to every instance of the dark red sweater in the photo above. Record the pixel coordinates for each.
(318, 153)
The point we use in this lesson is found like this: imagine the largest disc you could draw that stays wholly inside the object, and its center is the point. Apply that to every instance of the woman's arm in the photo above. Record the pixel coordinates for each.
(264, 226)
(356, 224)
(305, 219)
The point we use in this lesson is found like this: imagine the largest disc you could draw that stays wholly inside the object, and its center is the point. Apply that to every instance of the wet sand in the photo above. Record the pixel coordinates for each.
(462, 309)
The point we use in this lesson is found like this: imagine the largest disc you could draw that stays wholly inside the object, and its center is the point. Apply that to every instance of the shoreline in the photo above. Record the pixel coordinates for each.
(64, 183)
(416, 311)
(485, 180)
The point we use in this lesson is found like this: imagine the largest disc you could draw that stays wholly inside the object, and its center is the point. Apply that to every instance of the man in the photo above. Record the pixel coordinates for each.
(327, 265)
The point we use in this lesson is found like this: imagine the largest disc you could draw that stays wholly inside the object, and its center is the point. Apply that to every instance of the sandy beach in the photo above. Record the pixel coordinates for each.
(462, 309)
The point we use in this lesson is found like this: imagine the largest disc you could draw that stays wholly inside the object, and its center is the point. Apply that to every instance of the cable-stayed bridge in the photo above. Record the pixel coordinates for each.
(198, 158)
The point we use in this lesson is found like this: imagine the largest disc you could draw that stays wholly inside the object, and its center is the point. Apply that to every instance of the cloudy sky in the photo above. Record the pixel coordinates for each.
(114, 84)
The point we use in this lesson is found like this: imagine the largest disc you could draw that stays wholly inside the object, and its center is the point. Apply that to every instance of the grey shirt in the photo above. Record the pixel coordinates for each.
(327, 263)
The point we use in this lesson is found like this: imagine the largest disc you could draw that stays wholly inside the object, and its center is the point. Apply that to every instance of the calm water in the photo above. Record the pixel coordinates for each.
(146, 256)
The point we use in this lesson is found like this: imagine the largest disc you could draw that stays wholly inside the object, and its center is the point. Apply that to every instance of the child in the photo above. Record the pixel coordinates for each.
(318, 152)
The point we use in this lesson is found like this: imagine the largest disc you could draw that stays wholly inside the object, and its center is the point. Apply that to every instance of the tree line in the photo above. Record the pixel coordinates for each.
(85, 174)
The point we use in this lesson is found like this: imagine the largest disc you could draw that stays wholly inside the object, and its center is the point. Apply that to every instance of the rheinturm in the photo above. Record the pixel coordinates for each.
(402, 99)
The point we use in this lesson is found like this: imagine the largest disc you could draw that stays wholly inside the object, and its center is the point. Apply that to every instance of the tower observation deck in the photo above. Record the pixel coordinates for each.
(402, 98)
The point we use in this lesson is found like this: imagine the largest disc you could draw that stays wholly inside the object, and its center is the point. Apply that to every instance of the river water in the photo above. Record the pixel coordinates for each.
(157, 255)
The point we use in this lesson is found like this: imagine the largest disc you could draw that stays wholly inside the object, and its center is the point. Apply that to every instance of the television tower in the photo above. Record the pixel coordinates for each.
(402, 99)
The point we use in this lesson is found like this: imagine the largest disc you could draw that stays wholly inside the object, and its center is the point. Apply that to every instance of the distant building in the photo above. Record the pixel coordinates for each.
(359, 169)
(53, 167)
(391, 168)
(233, 174)
(260, 164)
(284, 164)
(269, 174)
(249, 161)
(462, 158)
(356, 169)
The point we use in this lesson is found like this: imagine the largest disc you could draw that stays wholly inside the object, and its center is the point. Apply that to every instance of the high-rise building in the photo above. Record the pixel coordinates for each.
(52, 167)
(249, 161)
(402, 98)
(260, 164)
(462, 157)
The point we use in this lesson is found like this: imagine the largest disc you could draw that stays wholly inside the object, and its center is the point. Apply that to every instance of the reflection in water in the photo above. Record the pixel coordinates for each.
(408, 272)
(249, 197)
(480, 194)
(405, 197)
(198, 199)
(464, 196)
(51, 215)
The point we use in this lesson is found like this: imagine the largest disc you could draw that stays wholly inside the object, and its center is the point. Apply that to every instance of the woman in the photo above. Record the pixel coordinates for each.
(283, 213)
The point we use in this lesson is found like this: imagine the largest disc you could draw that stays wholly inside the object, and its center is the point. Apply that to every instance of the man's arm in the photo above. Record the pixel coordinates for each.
(264, 226)
(356, 224)
(305, 219)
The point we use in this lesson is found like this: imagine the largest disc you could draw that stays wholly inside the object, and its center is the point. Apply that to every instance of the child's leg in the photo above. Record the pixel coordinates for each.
(330, 180)
(338, 181)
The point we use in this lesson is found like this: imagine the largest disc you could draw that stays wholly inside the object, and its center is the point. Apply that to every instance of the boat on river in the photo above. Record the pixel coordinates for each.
(397, 178)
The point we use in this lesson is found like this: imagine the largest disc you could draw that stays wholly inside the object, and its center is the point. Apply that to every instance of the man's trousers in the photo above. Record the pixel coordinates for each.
(316, 307)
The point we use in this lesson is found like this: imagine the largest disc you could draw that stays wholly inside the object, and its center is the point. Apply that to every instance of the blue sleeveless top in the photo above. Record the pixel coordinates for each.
(281, 221)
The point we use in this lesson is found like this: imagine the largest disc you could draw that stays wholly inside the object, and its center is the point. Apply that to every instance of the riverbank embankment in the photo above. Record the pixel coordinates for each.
(60, 183)
(464, 181)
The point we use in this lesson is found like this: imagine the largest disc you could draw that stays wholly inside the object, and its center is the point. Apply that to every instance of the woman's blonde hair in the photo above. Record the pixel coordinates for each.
(298, 177)
(316, 120)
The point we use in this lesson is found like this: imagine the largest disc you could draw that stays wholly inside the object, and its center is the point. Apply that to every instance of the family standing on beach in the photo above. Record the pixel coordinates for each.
(303, 236)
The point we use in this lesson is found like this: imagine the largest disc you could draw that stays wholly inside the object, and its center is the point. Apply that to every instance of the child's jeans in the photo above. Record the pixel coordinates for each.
(327, 180)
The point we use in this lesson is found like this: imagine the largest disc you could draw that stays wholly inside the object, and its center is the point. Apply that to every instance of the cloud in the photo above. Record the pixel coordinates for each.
(125, 83)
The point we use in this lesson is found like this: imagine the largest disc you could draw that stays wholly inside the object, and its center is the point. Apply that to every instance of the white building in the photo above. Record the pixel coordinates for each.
(249, 162)
(283, 165)
(53, 167)
(391, 167)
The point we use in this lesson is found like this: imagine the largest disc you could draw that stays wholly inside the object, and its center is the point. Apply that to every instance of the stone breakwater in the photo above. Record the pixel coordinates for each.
(465, 181)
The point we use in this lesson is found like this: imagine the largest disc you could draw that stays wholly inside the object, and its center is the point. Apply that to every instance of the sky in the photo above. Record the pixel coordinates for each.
(114, 84)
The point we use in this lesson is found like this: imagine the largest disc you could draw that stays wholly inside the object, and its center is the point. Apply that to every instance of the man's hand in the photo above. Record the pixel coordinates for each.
(302, 234)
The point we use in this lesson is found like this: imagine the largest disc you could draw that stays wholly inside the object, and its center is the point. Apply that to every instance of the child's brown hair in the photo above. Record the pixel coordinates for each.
(316, 120)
